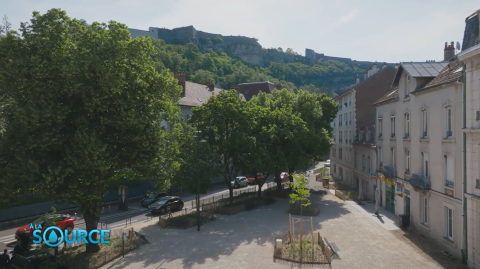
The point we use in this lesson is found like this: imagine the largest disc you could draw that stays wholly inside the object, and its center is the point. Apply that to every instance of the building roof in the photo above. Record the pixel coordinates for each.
(420, 69)
(452, 72)
(393, 95)
(265, 86)
(197, 94)
(471, 36)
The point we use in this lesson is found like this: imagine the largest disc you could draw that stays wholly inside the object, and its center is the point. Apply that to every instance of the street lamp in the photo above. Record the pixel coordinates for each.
(198, 179)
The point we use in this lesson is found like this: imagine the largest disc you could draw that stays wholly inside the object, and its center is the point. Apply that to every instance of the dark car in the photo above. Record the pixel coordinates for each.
(166, 204)
(150, 199)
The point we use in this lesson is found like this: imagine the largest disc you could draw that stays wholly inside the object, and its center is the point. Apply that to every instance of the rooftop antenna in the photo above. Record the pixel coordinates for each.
(458, 47)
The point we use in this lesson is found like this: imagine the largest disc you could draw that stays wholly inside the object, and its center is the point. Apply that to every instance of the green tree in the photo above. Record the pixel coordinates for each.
(81, 104)
(202, 76)
(198, 163)
(223, 122)
(300, 193)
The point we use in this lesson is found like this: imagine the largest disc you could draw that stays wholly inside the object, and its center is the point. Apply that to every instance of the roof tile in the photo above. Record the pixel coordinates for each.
(387, 97)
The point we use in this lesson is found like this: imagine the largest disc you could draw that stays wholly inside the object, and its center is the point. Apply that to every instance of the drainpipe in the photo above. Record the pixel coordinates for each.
(464, 200)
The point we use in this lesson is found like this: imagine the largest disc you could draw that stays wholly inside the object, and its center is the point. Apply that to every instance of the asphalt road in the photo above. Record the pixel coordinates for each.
(134, 214)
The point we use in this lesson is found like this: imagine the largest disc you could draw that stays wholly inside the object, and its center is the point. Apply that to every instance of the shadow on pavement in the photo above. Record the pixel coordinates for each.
(430, 248)
(221, 238)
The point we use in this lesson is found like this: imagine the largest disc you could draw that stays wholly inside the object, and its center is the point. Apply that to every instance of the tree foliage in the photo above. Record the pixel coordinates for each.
(320, 77)
(198, 162)
(300, 193)
(223, 122)
(81, 103)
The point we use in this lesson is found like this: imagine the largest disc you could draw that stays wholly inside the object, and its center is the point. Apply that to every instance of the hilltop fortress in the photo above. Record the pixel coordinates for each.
(245, 48)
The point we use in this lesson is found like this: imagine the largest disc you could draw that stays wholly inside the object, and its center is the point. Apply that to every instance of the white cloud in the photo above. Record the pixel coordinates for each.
(348, 17)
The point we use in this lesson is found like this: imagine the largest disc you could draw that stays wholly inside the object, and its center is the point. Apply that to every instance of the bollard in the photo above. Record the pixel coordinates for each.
(75, 218)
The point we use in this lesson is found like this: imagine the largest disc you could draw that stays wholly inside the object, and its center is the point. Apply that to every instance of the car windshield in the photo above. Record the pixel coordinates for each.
(239, 178)
(161, 202)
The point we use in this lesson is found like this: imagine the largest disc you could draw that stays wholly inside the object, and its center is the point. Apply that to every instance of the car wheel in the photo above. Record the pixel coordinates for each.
(163, 211)
(69, 229)
(180, 207)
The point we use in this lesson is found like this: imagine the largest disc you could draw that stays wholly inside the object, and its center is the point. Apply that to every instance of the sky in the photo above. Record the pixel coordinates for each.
(365, 30)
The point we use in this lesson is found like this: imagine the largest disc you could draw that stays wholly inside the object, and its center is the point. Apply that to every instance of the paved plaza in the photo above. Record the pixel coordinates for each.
(245, 240)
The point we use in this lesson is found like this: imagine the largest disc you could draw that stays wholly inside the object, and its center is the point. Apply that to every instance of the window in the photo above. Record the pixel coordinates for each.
(424, 210)
(335, 168)
(350, 118)
(407, 89)
(393, 158)
(355, 160)
(424, 123)
(340, 120)
(380, 127)
(340, 153)
(449, 122)
(363, 163)
(407, 161)
(449, 171)
(380, 155)
(407, 125)
(392, 124)
(449, 223)
(425, 164)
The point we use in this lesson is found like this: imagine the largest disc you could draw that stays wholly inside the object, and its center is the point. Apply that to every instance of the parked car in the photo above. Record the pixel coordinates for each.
(252, 181)
(150, 199)
(64, 222)
(239, 182)
(327, 163)
(166, 204)
(284, 176)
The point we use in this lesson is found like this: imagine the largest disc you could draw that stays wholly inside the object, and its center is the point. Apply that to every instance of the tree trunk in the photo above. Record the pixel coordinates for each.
(278, 180)
(91, 215)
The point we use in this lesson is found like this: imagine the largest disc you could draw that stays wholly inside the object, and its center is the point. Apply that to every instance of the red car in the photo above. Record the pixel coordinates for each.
(64, 222)
(251, 180)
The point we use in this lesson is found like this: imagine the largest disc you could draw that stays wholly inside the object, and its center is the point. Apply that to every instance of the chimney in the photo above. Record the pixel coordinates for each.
(180, 76)
(449, 51)
(210, 86)
(358, 79)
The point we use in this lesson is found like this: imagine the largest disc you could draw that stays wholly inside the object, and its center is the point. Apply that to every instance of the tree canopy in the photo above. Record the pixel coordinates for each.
(226, 70)
(81, 104)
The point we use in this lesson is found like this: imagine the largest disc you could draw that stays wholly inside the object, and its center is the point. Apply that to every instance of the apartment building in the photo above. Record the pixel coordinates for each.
(470, 55)
(351, 167)
(419, 148)
(377, 83)
(341, 154)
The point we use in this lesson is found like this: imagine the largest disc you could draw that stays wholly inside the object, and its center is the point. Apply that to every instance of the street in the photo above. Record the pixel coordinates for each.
(134, 214)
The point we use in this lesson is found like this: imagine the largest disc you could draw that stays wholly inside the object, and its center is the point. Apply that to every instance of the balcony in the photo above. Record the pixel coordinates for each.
(389, 171)
(449, 183)
(420, 183)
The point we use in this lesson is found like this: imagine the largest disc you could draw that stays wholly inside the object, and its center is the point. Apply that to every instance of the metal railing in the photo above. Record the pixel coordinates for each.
(420, 182)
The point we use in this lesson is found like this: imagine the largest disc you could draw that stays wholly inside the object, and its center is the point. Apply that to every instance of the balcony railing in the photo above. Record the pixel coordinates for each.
(389, 171)
(420, 182)
(449, 183)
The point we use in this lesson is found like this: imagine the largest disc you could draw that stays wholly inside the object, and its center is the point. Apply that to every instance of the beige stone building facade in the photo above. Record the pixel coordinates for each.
(419, 149)
(470, 55)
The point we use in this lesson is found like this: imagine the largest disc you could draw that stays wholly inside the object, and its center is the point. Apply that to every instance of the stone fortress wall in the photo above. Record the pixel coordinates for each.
(245, 48)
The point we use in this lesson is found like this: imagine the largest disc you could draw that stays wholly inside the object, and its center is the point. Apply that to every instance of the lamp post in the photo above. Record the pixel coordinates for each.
(198, 179)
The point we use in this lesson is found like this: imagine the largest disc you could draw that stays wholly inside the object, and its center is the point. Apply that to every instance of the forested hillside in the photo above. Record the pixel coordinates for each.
(226, 71)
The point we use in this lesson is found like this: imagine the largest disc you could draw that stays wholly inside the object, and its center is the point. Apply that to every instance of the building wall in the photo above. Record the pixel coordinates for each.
(436, 146)
(347, 127)
(472, 158)
(366, 183)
